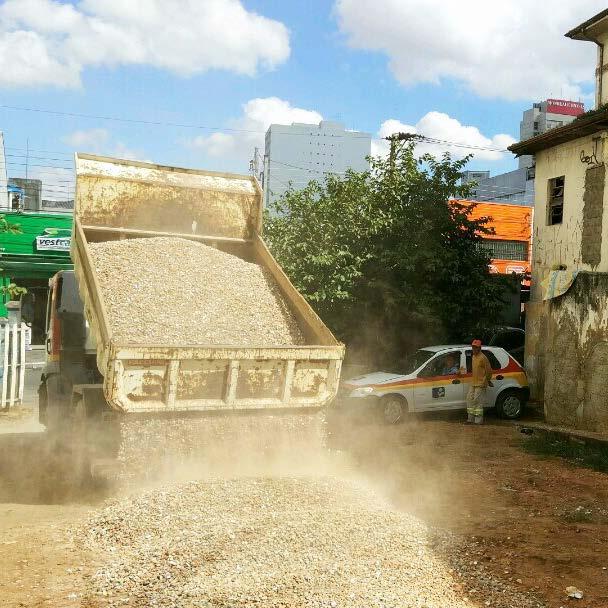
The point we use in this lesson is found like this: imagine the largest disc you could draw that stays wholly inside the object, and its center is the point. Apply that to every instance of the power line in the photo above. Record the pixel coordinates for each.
(394, 137)
(34, 157)
(278, 162)
(14, 164)
(71, 154)
(159, 123)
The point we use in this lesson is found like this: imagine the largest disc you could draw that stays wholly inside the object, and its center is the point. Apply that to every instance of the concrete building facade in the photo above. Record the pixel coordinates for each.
(544, 116)
(31, 198)
(517, 187)
(298, 153)
(474, 176)
(567, 317)
(514, 187)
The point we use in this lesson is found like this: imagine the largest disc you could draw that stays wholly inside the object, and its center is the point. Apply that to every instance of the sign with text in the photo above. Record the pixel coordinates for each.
(53, 243)
(563, 106)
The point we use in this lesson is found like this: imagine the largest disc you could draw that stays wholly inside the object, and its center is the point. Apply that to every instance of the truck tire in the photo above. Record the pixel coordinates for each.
(393, 409)
(66, 427)
(510, 404)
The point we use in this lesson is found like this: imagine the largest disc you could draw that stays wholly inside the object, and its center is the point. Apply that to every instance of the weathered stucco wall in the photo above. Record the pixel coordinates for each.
(575, 244)
(536, 323)
(576, 355)
(561, 244)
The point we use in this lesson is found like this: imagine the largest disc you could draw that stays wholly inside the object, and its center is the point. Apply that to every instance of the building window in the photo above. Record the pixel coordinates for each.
(531, 172)
(505, 250)
(556, 201)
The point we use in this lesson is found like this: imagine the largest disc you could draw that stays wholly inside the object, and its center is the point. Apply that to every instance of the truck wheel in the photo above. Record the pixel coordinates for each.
(510, 404)
(393, 409)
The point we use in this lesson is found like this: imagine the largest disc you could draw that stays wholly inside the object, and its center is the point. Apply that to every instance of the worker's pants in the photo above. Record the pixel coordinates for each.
(476, 401)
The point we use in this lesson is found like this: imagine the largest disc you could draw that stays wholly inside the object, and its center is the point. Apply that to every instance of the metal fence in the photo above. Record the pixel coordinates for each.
(13, 338)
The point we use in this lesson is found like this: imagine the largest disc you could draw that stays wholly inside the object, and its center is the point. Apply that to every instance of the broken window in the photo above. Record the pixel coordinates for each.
(556, 200)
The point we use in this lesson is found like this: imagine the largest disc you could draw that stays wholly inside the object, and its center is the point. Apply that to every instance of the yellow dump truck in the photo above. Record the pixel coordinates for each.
(91, 376)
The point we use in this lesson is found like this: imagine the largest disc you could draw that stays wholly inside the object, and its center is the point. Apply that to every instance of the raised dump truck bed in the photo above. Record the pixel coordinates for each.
(117, 199)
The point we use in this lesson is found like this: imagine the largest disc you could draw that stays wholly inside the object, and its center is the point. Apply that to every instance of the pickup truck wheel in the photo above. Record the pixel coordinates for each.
(510, 404)
(393, 409)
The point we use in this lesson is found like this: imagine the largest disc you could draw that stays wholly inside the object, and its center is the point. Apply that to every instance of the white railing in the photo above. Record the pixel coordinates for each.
(13, 339)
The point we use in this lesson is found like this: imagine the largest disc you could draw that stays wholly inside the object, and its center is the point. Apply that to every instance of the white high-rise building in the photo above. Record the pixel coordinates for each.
(298, 153)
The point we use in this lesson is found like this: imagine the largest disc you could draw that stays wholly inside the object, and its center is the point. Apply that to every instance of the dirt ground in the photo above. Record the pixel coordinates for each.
(540, 523)
(521, 511)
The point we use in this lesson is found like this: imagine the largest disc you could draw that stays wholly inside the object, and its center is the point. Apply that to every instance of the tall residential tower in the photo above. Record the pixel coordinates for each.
(544, 116)
(517, 187)
(298, 153)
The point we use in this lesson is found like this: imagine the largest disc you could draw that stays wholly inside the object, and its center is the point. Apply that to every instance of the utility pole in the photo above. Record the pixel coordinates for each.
(254, 163)
(27, 154)
(393, 139)
(257, 166)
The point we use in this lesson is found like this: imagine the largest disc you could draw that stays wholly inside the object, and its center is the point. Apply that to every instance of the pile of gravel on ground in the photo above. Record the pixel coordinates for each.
(174, 292)
(267, 542)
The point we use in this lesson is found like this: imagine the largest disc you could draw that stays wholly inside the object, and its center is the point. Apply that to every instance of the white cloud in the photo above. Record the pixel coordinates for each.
(123, 151)
(249, 128)
(57, 182)
(92, 139)
(49, 42)
(100, 141)
(497, 49)
(438, 125)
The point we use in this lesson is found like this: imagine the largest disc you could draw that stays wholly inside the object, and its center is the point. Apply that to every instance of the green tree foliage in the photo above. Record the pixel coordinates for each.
(384, 258)
(11, 290)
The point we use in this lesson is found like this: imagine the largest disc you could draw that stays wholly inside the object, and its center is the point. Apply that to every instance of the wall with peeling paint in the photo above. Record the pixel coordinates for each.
(567, 337)
(561, 244)
(576, 355)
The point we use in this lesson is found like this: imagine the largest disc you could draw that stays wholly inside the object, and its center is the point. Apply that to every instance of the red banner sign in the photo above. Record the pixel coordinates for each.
(563, 106)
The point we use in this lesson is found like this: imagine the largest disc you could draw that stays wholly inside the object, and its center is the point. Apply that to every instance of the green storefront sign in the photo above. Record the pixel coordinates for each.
(32, 256)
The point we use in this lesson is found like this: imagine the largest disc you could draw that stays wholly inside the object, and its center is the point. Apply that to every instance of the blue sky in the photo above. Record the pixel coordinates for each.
(459, 71)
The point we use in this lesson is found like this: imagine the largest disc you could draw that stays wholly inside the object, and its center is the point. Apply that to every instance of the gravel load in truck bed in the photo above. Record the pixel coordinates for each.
(272, 542)
(175, 292)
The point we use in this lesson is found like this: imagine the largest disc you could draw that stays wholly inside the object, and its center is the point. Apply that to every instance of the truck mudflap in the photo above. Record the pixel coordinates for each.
(155, 380)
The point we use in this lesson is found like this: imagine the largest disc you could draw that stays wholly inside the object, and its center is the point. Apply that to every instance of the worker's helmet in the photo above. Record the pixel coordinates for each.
(476, 343)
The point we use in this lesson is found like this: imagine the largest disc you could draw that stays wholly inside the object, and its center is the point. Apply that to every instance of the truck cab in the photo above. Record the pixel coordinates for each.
(70, 346)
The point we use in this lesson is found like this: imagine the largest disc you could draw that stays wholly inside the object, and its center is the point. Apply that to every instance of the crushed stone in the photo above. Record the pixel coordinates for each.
(173, 292)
